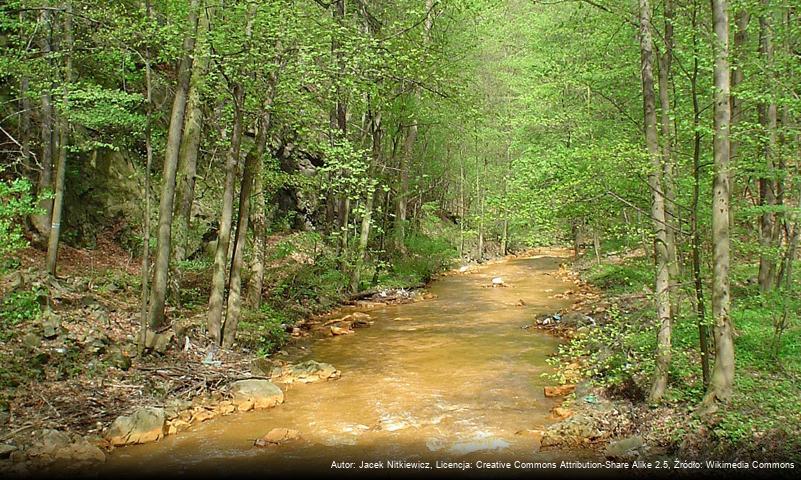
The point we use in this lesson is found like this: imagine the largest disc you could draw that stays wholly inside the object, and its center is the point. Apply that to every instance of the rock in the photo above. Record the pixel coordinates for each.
(305, 372)
(562, 413)
(261, 367)
(497, 282)
(571, 432)
(31, 340)
(575, 320)
(627, 447)
(158, 342)
(429, 296)
(6, 449)
(51, 324)
(559, 391)
(81, 452)
(117, 358)
(200, 415)
(174, 407)
(277, 436)
(143, 426)
(263, 393)
(464, 268)
(177, 425)
(336, 331)
(245, 406)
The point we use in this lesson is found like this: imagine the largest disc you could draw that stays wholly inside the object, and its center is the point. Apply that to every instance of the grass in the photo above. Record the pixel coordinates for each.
(764, 414)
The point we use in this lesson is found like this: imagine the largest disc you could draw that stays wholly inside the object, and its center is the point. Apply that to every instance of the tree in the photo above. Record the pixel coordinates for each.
(722, 379)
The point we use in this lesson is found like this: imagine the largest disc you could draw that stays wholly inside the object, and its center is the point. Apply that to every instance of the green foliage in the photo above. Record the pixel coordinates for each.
(265, 329)
(17, 307)
(16, 203)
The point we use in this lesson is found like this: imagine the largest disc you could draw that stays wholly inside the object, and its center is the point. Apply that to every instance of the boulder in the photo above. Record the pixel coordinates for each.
(336, 331)
(305, 372)
(263, 393)
(576, 320)
(277, 436)
(81, 452)
(562, 413)
(261, 367)
(158, 342)
(559, 391)
(625, 448)
(143, 426)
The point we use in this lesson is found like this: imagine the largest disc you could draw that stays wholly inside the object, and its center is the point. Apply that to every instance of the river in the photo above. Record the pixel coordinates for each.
(454, 378)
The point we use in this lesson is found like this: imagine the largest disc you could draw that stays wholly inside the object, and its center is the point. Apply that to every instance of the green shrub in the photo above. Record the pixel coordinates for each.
(264, 330)
(17, 307)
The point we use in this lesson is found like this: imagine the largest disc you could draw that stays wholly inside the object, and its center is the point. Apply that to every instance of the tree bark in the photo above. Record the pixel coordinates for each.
(722, 379)
(143, 310)
(158, 293)
(190, 145)
(671, 212)
(767, 184)
(700, 302)
(61, 168)
(234, 304)
(218, 282)
(662, 283)
(41, 222)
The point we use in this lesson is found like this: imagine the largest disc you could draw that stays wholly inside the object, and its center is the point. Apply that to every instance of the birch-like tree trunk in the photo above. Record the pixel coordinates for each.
(158, 293)
(63, 129)
(722, 379)
(662, 283)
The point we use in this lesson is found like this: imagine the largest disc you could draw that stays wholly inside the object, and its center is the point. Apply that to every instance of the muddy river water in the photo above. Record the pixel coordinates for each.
(455, 378)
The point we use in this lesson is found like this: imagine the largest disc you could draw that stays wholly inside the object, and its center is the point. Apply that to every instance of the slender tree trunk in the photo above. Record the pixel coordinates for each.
(158, 293)
(190, 144)
(218, 282)
(700, 302)
(364, 236)
(234, 306)
(41, 222)
(61, 168)
(767, 184)
(143, 310)
(722, 379)
(742, 19)
(258, 217)
(662, 287)
(671, 216)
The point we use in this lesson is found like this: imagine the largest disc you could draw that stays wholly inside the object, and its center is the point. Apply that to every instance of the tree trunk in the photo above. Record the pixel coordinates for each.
(364, 236)
(218, 282)
(767, 184)
(190, 145)
(671, 216)
(143, 321)
(61, 168)
(741, 20)
(234, 306)
(722, 379)
(258, 217)
(158, 293)
(700, 302)
(41, 222)
(662, 283)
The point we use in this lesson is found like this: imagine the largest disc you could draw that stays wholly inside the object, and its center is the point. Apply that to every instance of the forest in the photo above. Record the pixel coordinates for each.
(586, 212)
